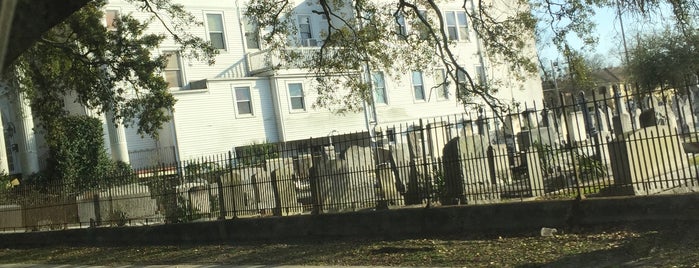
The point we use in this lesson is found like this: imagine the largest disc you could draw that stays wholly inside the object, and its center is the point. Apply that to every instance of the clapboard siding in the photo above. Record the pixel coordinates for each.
(206, 121)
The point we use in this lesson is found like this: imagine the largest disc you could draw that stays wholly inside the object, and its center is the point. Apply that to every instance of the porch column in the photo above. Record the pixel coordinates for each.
(30, 159)
(117, 139)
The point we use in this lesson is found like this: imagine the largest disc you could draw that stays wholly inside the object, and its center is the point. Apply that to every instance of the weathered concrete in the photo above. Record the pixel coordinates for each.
(500, 218)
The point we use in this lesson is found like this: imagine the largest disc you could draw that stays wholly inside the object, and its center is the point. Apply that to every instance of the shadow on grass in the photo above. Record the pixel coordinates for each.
(676, 246)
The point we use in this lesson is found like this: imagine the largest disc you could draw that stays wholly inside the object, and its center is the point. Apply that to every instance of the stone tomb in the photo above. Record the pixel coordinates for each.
(472, 171)
(650, 160)
(133, 199)
(350, 182)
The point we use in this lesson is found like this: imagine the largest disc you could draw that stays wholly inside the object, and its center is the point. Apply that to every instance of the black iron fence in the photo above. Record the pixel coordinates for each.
(624, 145)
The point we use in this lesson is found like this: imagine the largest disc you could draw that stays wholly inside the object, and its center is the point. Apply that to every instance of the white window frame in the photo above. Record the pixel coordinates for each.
(401, 27)
(374, 85)
(461, 28)
(223, 25)
(421, 85)
(303, 97)
(441, 86)
(236, 101)
(180, 66)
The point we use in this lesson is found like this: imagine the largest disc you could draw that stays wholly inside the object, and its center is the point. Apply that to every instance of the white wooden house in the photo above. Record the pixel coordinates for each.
(238, 101)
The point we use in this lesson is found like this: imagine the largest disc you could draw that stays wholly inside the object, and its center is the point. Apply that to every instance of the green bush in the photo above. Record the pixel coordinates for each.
(256, 153)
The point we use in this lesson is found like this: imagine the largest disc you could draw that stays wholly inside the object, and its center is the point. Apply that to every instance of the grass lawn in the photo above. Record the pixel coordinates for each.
(650, 247)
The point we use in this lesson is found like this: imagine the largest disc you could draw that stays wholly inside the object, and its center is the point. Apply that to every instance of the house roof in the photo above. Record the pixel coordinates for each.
(610, 75)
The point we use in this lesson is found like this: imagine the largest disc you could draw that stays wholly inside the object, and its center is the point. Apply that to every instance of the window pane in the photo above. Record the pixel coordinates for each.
(242, 93)
(463, 32)
(244, 107)
(451, 18)
(217, 40)
(440, 82)
(419, 93)
(452, 33)
(379, 88)
(215, 22)
(417, 86)
(173, 62)
(378, 79)
(173, 78)
(462, 18)
(295, 90)
(297, 103)
(417, 78)
(296, 96)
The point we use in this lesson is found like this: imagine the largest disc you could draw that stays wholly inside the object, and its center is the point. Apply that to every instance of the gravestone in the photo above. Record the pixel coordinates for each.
(284, 189)
(512, 125)
(576, 127)
(472, 170)
(542, 135)
(261, 181)
(530, 120)
(436, 137)
(622, 124)
(649, 161)
(133, 199)
(636, 119)
(535, 173)
(239, 196)
(602, 120)
(349, 182)
(197, 195)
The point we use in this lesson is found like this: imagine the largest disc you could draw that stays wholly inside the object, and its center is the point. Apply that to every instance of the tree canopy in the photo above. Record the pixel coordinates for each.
(363, 34)
(666, 60)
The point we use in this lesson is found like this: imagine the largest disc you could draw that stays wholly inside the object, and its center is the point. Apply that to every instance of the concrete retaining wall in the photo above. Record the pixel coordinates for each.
(524, 217)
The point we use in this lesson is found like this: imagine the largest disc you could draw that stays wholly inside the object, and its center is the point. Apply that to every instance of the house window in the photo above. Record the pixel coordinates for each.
(296, 96)
(214, 23)
(401, 28)
(243, 102)
(461, 79)
(379, 88)
(482, 78)
(173, 69)
(305, 31)
(110, 17)
(420, 27)
(418, 87)
(252, 34)
(441, 85)
(457, 29)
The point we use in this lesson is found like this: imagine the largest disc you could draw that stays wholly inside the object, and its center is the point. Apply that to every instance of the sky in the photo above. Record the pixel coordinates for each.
(608, 31)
